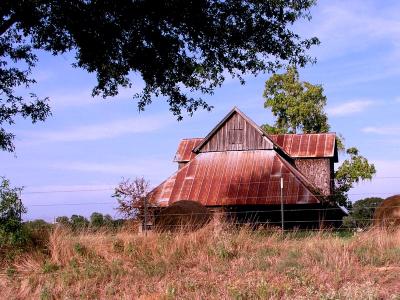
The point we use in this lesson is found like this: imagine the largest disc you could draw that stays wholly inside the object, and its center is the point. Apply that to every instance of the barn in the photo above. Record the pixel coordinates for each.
(250, 176)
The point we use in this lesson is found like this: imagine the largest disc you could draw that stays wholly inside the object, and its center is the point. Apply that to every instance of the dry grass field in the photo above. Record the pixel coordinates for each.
(216, 262)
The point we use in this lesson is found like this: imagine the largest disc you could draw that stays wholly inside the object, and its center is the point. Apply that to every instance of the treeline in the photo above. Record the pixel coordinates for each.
(78, 222)
(17, 236)
(96, 221)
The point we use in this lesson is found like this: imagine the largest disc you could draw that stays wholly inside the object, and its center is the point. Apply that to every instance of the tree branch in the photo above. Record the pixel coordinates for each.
(7, 24)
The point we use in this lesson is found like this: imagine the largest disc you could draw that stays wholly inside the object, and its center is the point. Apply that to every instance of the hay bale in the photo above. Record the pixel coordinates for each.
(387, 214)
(185, 214)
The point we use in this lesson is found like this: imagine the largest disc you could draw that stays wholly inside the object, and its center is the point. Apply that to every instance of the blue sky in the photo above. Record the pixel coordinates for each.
(70, 163)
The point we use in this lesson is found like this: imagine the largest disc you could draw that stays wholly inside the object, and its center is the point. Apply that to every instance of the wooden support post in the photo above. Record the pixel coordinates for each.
(145, 216)
(282, 214)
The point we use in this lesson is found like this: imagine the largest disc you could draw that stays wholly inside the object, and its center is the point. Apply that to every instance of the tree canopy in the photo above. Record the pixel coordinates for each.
(297, 105)
(132, 197)
(11, 210)
(362, 212)
(352, 170)
(179, 48)
(300, 107)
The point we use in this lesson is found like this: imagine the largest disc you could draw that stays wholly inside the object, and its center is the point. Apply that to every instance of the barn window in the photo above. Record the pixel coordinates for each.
(236, 136)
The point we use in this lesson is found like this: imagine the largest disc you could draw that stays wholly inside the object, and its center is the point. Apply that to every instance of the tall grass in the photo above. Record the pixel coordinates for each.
(216, 262)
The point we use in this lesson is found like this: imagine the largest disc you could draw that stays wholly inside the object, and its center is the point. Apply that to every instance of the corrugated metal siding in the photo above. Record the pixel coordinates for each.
(185, 147)
(311, 145)
(235, 178)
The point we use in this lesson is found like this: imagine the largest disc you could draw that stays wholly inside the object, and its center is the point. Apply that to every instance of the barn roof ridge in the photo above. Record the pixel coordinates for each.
(330, 132)
(234, 110)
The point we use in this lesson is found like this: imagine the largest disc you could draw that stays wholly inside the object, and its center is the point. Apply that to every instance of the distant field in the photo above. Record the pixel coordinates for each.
(216, 262)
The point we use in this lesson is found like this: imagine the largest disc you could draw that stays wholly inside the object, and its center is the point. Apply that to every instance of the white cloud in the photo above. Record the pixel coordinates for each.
(350, 107)
(60, 99)
(107, 130)
(352, 26)
(383, 130)
(153, 169)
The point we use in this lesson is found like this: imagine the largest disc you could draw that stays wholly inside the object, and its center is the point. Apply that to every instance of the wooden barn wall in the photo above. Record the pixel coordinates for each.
(318, 172)
(236, 134)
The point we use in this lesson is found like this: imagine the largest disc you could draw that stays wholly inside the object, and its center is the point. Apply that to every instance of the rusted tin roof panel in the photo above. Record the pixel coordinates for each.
(236, 178)
(306, 145)
(185, 147)
(161, 194)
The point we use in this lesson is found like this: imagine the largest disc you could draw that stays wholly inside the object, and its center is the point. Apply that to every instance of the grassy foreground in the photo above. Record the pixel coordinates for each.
(215, 262)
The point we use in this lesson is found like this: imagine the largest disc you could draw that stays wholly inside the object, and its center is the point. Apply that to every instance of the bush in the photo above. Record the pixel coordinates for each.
(362, 213)
(38, 232)
(97, 221)
(11, 210)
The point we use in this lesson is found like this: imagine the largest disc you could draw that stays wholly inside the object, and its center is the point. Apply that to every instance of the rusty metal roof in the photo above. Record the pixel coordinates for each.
(235, 178)
(184, 152)
(310, 145)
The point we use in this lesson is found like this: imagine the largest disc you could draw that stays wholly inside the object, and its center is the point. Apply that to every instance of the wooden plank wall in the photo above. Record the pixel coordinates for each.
(237, 134)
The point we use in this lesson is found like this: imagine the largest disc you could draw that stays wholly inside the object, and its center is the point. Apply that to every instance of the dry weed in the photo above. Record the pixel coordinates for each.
(215, 262)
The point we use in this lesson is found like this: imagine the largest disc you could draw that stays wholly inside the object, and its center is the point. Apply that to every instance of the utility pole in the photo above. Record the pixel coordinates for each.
(282, 215)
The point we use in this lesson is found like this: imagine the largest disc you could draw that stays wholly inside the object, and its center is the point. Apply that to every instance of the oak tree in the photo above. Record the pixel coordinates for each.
(181, 49)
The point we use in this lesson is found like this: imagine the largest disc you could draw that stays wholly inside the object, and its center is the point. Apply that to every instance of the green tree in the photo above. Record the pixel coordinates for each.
(63, 221)
(297, 105)
(108, 221)
(353, 170)
(97, 220)
(176, 47)
(300, 107)
(79, 222)
(362, 212)
(11, 210)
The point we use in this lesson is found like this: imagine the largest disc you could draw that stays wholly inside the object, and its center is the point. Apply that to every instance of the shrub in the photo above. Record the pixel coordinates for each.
(362, 213)
(11, 210)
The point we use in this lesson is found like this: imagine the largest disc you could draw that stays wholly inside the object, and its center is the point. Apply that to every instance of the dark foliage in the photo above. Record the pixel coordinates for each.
(95, 222)
(11, 210)
(362, 212)
(38, 233)
(177, 47)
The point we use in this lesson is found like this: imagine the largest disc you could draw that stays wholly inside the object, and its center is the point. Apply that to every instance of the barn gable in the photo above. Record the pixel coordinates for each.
(234, 133)
(237, 163)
